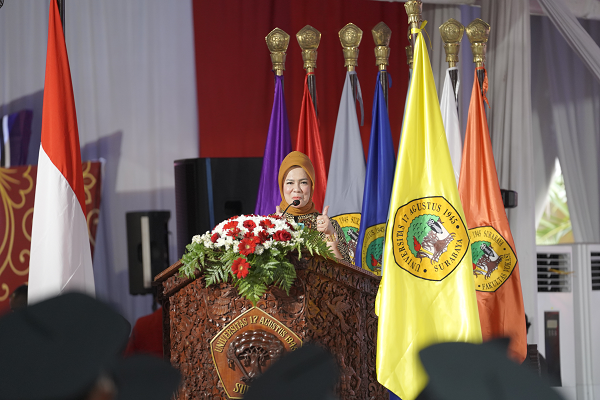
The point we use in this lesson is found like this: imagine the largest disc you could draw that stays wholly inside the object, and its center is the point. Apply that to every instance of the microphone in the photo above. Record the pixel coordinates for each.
(294, 203)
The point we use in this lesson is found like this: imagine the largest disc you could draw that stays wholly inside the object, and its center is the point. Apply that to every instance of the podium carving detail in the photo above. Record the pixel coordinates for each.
(330, 304)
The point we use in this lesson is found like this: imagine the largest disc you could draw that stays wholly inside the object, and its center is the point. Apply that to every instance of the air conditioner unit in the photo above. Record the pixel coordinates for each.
(568, 297)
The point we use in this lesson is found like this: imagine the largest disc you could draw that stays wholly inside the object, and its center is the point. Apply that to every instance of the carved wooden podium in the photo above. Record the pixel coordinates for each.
(219, 342)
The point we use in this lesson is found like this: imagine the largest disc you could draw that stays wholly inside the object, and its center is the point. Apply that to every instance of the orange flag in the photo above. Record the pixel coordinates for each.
(309, 143)
(495, 265)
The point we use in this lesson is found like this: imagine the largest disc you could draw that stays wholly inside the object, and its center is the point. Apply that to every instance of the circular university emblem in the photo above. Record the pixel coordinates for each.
(247, 346)
(350, 224)
(372, 248)
(493, 258)
(429, 237)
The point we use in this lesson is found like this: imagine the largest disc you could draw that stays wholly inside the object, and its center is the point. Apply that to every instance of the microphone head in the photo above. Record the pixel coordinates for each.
(296, 203)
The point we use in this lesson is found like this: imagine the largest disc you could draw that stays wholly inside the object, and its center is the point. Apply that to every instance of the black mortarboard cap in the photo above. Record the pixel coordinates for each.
(307, 373)
(56, 349)
(145, 377)
(464, 371)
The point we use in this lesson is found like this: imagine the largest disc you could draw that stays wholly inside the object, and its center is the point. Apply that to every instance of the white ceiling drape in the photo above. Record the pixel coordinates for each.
(578, 39)
(589, 9)
(570, 121)
(509, 119)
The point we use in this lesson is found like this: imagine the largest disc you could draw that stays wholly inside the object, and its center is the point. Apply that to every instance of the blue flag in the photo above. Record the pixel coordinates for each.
(279, 145)
(378, 187)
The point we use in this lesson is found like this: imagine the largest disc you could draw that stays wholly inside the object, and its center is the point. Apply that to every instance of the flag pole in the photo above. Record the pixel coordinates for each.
(309, 39)
(277, 42)
(61, 12)
(478, 32)
(350, 37)
(409, 57)
(381, 36)
(452, 32)
(279, 142)
(414, 10)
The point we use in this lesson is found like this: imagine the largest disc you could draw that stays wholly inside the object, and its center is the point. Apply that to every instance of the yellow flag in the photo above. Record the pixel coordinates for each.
(427, 293)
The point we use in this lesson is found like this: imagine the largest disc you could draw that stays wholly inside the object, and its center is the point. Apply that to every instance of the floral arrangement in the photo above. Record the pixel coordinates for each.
(253, 251)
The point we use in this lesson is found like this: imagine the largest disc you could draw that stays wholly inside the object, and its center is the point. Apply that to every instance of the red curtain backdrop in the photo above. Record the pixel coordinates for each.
(17, 192)
(233, 68)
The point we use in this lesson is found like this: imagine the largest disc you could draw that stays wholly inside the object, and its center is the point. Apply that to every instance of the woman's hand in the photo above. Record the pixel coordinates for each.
(324, 224)
(278, 211)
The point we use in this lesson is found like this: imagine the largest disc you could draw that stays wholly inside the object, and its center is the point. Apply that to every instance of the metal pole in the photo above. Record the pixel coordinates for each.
(61, 12)
(478, 32)
(414, 10)
(381, 36)
(309, 39)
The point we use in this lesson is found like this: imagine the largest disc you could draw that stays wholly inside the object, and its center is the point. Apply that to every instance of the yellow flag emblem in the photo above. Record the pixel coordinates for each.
(430, 238)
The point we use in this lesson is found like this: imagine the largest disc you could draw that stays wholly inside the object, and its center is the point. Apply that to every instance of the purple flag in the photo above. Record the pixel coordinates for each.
(279, 145)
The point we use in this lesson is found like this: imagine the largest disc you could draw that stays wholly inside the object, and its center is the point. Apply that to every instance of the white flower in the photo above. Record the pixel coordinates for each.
(226, 243)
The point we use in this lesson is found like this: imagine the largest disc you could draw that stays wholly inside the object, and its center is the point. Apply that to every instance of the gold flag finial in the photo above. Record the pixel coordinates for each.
(381, 36)
(309, 39)
(409, 56)
(350, 37)
(277, 42)
(452, 32)
(478, 32)
(414, 10)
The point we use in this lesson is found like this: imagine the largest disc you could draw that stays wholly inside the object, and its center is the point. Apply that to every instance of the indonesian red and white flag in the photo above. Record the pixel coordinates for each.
(61, 258)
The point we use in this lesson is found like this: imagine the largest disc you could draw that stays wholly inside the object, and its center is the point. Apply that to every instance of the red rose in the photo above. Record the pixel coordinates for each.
(266, 224)
(214, 237)
(230, 225)
(250, 225)
(263, 236)
(240, 268)
(282, 236)
(247, 246)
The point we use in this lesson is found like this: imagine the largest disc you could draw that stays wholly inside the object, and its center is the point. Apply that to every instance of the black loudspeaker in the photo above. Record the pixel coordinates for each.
(510, 198)
(210, 190)
(147, 248)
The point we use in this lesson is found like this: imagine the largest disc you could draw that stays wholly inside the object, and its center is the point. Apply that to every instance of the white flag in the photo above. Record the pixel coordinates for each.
(346, 179)
(451, 124)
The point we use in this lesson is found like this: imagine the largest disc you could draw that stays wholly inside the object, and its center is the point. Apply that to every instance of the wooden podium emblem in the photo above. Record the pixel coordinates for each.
(246, 347)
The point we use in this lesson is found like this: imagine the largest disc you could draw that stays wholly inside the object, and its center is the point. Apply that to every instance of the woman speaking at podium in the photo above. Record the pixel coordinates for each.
(296, 185)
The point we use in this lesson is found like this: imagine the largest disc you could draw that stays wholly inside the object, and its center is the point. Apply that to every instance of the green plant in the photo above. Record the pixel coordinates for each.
(555, 223)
